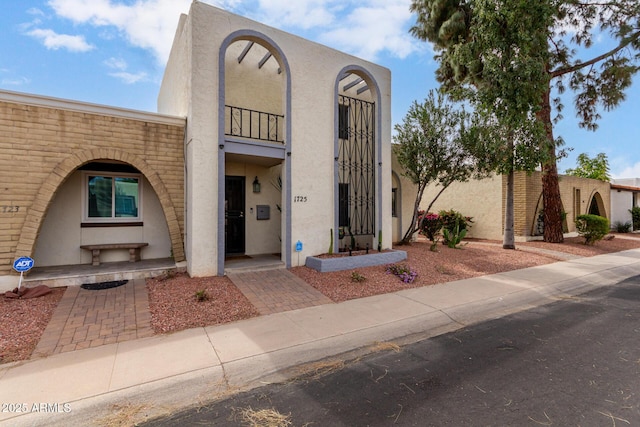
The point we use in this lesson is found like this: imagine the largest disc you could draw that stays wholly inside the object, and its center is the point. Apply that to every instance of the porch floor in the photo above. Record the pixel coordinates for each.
(75, 275)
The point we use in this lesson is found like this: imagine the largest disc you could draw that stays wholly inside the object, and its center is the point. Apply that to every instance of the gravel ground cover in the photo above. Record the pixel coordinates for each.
(174, 304)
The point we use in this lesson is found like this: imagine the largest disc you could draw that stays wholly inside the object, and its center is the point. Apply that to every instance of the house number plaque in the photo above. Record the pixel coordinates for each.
(9, 209)
(299, 199)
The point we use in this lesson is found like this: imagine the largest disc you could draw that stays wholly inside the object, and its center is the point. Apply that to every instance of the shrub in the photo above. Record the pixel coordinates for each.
(357, 277)
(635, 217)
(403, 272)
(454, 237)
(430, 225)
(592, 228)
(622, 227)
(201, 295)
(454, 224)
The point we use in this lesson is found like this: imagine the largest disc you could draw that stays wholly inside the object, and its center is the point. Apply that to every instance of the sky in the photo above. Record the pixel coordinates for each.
(113, 52)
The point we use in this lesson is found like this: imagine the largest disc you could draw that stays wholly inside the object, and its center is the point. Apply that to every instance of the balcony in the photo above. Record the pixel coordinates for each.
(252, 124)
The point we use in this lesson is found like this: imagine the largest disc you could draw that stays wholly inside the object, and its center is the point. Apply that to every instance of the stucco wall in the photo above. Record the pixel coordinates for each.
(60, 236)
(406, 199)
(44, 140)
(479, 199)
(311, 98)
(621, 202)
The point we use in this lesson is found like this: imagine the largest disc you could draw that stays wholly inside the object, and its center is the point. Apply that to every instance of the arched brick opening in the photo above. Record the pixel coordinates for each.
(596, 205)
(65, 168)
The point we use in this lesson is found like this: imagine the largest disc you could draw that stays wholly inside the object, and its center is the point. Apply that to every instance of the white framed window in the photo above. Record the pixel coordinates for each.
(111, 197)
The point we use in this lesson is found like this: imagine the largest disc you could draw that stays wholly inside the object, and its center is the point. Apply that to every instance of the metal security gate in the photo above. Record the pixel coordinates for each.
(356, 171)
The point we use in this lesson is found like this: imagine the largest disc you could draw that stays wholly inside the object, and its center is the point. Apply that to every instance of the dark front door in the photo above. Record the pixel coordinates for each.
(234, 214)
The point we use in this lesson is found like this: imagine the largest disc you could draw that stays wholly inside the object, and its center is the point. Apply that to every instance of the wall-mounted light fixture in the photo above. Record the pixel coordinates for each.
(256, 185)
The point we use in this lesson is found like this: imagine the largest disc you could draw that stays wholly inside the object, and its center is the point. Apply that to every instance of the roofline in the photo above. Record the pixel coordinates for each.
(624, 187)
(86, 107)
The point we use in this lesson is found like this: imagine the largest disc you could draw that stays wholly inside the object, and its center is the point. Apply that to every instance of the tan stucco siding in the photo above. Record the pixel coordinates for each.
(479, 199)
(42, 146)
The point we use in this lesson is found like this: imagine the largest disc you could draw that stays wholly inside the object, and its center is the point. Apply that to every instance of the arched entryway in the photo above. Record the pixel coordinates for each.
(596, 205)
(254, 135)
(357, 166)
(63, 207)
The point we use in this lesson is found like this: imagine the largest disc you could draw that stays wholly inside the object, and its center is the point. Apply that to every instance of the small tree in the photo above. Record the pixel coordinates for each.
(432, 147)
(596, 168)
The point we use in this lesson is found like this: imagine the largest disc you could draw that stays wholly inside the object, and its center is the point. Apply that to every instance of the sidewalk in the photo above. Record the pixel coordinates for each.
(164, 373)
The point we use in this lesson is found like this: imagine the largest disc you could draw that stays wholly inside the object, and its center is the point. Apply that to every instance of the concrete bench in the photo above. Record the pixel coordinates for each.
(134, 250)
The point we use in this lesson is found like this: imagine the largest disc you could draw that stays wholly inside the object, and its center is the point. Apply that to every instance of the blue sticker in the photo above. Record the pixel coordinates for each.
(23, 264)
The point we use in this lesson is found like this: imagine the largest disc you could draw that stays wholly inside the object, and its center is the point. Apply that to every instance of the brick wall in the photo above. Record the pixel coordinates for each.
(528, 199)
(40, 146)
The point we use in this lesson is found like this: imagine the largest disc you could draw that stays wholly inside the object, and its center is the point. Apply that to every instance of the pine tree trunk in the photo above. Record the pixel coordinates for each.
(550, 187)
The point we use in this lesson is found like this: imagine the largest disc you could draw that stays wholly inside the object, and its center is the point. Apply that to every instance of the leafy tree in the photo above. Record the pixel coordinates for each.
(596, 168)
(432, 146)
(552, 44)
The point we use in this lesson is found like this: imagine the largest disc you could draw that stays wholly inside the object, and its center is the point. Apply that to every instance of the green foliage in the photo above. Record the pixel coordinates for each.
(622, 227)
(201, 295)
(454, 227)
(357, 277)
(635, 217)
(453, 237)
(432, 146)
(592, 227)
(452, 218)
(596, 168)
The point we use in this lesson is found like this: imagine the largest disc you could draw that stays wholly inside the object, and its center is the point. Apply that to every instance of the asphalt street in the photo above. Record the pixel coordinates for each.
(574, 362)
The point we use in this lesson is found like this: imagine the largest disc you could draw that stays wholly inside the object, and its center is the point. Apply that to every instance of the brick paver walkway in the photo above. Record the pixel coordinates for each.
(86, 318)
(277, 290)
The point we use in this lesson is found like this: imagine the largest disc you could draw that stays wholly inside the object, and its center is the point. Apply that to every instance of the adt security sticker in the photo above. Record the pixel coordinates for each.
(23, 264)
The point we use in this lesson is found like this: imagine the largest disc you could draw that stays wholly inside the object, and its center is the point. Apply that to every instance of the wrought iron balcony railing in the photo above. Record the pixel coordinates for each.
(253, 124)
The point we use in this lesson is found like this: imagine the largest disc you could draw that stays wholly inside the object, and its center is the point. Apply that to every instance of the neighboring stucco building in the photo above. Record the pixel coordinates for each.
(75, 174)
(625, 194)
(265, 143)
(484, 201)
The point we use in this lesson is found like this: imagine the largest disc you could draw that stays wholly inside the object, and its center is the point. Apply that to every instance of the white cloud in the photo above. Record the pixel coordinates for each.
(632, 171)
(150, 24)
(16, 81)
(35, 11)
(55, 41)
(303, 14)
(116, 63)
(129, 78)
(121, 66)
(367, 31)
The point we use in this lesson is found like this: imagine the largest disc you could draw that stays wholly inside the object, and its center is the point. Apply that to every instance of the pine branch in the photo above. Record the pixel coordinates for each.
(624, 43)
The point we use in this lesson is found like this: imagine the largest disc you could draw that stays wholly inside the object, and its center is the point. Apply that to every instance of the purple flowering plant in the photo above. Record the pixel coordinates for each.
(403, 272)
